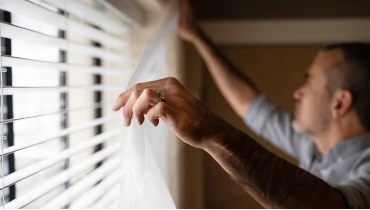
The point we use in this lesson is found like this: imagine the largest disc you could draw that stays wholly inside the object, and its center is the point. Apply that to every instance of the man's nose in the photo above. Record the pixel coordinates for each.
(297, 94)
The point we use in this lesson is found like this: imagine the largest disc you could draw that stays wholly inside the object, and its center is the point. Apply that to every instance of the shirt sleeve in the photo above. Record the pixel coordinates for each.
(274, 125)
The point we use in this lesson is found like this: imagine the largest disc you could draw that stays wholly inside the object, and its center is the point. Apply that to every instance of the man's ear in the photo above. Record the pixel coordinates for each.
(342, 103)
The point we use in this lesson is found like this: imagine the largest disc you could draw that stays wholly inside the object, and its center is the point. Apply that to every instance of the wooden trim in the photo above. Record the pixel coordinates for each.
(299, 31)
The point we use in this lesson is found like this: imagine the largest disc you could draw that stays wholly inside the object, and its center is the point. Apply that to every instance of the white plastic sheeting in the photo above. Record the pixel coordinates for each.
(144, 148)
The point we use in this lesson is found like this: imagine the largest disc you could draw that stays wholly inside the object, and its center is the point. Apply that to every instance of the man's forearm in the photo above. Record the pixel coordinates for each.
(272, 181)
(236, 88)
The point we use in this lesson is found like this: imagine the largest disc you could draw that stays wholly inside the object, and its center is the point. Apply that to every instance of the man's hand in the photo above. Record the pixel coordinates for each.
(188, 28)
(272, 181)
(181, 111)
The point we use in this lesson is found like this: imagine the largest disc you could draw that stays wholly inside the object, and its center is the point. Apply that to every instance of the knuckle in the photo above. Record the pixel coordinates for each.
(162, 107)
(153, 115)
(172, 81)
(136, 93)
(176, 91)
(146, 92)
(137, 86)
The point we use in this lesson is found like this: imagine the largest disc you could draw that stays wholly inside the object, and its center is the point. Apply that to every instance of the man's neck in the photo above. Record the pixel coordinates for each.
(327, 140)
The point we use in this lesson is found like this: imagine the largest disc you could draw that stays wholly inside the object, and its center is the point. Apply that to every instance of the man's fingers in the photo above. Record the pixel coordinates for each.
(129, 99)
(121, 101)
(163, 111)
(127, 111)
(155, 122)
(158, 84)
(148, 98)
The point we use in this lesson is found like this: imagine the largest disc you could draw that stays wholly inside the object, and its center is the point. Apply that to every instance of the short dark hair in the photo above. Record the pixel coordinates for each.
(354, 76)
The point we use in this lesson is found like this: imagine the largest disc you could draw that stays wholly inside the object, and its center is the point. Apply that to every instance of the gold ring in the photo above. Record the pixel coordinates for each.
(162, 96)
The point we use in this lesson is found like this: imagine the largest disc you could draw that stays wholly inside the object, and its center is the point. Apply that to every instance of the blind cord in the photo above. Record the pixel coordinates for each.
(66, 57)
(2, 130)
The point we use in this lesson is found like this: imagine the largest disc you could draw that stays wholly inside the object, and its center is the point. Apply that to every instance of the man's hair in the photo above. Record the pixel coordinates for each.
(354, 75)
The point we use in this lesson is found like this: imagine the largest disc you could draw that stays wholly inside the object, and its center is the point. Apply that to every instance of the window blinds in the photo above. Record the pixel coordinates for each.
(63, 63)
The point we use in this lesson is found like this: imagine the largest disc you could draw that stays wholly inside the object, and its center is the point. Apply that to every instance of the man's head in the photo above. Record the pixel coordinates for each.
(336, 91)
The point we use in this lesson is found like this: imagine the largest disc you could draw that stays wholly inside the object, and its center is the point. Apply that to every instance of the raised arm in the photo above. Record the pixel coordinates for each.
(238, 90)
(262, 116)
(274, 182)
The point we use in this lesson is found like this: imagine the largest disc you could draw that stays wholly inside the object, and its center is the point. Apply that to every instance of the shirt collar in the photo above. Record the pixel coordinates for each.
(350, 146)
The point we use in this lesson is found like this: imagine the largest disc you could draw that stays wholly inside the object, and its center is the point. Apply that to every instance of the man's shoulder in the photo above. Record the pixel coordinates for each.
(362, 161)
(359, 163)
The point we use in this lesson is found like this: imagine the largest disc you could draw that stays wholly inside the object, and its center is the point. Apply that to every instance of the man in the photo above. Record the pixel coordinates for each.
(329, 134)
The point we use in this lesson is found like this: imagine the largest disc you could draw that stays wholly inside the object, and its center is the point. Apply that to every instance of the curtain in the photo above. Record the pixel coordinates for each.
(144, 148)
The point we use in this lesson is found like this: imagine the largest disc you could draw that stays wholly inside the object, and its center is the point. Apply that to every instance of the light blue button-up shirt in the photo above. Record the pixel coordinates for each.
(345, 167)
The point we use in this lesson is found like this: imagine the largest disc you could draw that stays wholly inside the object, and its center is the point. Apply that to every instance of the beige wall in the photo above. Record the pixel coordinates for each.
(278, 71)
(272, 9)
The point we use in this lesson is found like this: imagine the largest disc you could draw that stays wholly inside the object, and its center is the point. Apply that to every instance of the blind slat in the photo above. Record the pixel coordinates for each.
(95, 34)
(108, 199)
(63, 132)
(96, 192)
(36, 12)
(61, 178)
(20, 90)
(91, 15)
(127, 11)
(87, 182)
(39, 166)
(10, 61)
(14, 32)
(63, 111)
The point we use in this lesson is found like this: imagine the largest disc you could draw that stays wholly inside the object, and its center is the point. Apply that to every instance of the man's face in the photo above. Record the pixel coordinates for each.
(312, 114)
